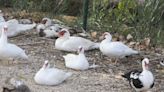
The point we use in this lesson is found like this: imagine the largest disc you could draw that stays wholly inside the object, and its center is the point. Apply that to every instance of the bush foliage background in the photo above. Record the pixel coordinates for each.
(141, 18)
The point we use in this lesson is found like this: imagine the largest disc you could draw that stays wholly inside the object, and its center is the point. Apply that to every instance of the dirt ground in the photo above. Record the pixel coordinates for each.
(103, 79)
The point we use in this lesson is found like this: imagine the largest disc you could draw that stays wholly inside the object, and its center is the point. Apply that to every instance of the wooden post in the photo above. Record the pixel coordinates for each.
(85, 13)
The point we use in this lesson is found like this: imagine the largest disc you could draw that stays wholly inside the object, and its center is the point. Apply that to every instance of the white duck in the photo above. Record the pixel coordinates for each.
(50, 76)
(51, 31)
(47, 22)
(77, 62)
(141, 80)
(8, 50)
(40, 27)
(115, 49)
(66, 42)
(25, 21)
(14, 28)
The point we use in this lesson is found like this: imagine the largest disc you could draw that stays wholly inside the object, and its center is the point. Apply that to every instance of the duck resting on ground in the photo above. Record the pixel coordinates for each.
(115, 49)
(14, 27)
(47, 29)
(69, 43)
(50, 76)
(77, 62)
(141, 80)
(49, 32)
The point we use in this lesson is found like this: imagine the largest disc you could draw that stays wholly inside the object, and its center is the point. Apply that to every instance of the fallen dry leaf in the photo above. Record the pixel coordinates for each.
(121, 38)
(129, 37)
(131, 44)
(147, 41)
(69, 18)
(101, 38)
(118, 77)
(94, 34)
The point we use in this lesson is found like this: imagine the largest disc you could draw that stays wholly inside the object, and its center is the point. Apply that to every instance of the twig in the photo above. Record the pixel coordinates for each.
(30, 43)
(19, 35)
(44, 38)
(162, 57)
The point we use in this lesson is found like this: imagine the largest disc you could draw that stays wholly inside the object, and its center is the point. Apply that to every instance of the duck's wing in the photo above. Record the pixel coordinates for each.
(13, 21)
(75, 42)
(122, 48)
(15, 51)
(58, 74)
(70, 57)
(25, 27)
(133, 78)
(130, 74)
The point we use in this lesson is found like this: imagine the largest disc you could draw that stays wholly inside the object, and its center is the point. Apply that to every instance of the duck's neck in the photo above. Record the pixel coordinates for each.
(3, 38)
(145, 68)
(48, 23)
(107, 40)
(82, 55)
(65, 37)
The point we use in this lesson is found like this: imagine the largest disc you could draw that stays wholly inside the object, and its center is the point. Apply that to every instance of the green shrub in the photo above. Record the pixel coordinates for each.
(141, 20)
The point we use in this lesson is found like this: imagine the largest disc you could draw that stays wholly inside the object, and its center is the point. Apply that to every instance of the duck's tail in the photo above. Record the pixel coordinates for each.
(135, 52)
(93, 66)
(126, 76)
(65, 58)
(68, 75)
(132, 52)
(24, 56)
(95, 46)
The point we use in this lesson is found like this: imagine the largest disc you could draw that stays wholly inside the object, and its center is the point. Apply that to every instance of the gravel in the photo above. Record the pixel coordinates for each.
(103, 79)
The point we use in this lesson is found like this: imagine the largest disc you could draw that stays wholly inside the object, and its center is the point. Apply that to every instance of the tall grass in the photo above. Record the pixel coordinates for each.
(127, 16)
(130, 16)
(71, 7)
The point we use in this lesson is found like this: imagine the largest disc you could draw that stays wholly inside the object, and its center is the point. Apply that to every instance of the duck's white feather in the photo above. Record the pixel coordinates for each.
(51, 76)
(72, 44)
(77, 62)
(141, 80)
(12, 51)
(115, 49)
(15, 28)
(8, 50)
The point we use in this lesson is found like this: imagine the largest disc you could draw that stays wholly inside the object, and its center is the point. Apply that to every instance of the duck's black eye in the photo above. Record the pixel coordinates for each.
(162, 61)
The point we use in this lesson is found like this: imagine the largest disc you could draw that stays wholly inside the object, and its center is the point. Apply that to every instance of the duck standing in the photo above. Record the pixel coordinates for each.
(141, 80)
(115, 49)
(8, 50)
